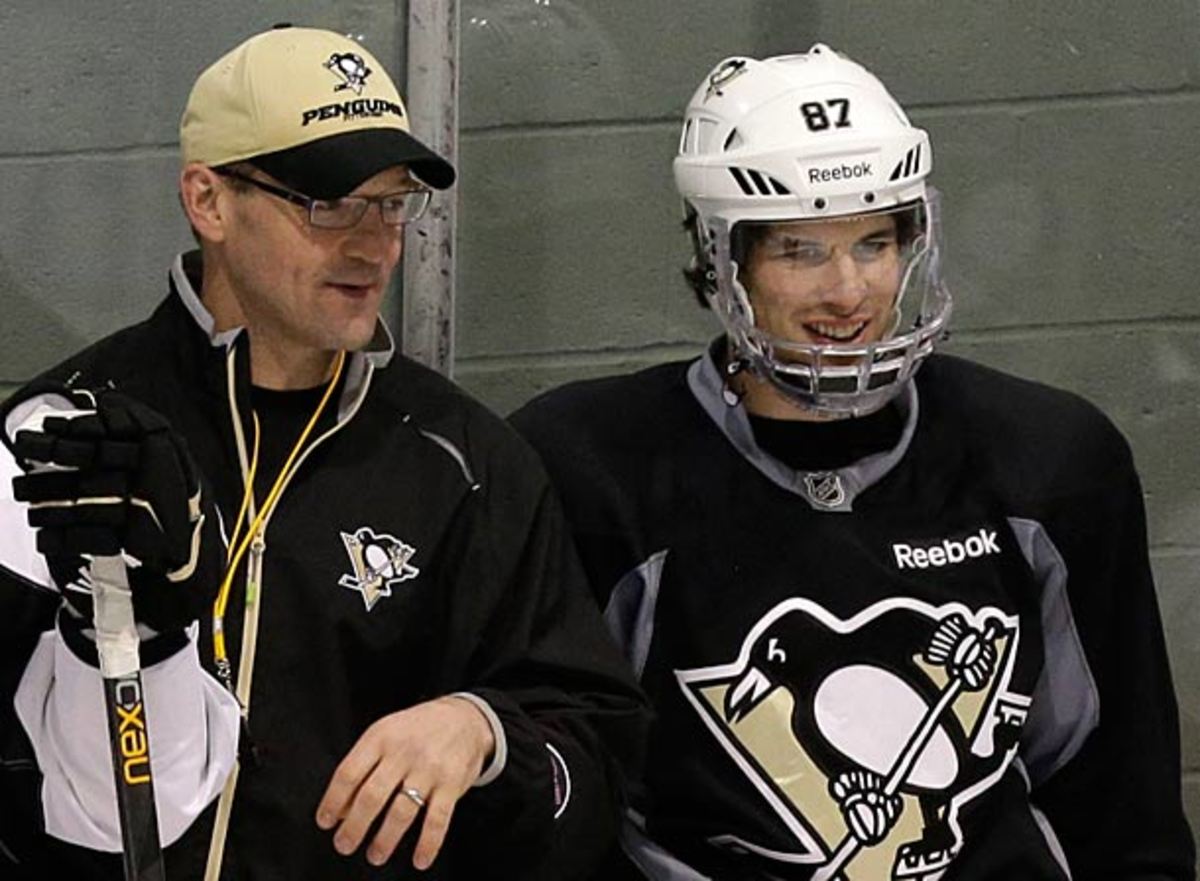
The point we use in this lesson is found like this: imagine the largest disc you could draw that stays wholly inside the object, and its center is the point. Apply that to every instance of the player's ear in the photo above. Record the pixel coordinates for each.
(205, 201)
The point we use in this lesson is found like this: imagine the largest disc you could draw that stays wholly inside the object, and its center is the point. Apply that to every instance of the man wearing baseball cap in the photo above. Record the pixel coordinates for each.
(364, 639)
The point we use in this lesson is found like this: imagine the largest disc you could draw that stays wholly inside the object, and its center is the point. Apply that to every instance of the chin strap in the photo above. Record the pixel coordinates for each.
(731, 395)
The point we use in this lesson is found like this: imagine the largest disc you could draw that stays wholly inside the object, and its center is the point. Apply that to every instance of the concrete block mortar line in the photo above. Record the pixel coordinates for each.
(570, 127)
(915, 109)
(94, 154)
(666, 351)
(1182, 324)
(1175, 551)
(652, 353)
(1125, 98)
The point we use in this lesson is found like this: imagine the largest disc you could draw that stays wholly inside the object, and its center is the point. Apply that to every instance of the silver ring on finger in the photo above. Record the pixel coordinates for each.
(414, 795)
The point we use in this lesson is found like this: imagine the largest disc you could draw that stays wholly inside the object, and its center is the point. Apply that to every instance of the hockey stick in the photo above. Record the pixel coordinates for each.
(125, 706)
(117, 649)
(849, 845)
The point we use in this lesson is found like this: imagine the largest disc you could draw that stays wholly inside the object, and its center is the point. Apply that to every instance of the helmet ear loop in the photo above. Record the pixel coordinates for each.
(741, 296)
(919, 251)
(708, 250)
(742, 346)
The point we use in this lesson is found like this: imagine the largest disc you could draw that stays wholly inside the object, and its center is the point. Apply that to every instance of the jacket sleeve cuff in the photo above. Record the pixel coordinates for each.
(500, 754)
(193, 723)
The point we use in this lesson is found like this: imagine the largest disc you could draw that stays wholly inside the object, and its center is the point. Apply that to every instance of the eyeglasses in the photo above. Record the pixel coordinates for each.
(396, 208)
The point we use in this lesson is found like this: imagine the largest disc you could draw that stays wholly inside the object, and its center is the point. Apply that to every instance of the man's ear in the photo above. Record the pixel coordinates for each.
(205, 201)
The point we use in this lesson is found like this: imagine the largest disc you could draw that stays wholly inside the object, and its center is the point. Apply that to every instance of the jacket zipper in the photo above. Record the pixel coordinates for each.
(253, 604)
(258, 545)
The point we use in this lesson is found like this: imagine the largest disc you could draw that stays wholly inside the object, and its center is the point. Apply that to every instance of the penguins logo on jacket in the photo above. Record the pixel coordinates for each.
(380, 562)
(866, 736)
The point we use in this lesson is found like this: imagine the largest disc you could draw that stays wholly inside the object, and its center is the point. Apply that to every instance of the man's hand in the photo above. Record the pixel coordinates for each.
(436, 750)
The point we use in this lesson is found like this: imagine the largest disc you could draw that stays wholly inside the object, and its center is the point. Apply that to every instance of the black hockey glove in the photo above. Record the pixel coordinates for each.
(111, 477)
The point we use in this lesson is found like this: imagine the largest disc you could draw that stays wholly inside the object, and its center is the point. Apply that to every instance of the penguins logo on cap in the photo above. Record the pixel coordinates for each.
(351, 69)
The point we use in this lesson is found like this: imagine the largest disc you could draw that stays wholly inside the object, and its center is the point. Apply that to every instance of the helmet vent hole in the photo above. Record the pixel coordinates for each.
(686, 145)
(819, 204)
(706, 130)
(755, 183)
(909, 165)
(732, 141)
(869, 198)
(741, 181)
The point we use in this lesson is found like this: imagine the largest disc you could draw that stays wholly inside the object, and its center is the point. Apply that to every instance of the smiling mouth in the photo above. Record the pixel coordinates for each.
(825, 332)
(352, 290)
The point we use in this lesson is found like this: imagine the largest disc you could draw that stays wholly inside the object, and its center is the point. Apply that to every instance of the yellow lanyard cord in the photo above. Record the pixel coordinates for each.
(220, 653)
(247, 496)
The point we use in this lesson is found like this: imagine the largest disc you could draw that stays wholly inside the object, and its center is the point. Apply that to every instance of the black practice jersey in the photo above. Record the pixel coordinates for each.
(943, 659)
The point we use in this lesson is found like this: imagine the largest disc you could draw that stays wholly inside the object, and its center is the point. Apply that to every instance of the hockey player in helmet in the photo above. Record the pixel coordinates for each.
(816, 237)
(893, 608)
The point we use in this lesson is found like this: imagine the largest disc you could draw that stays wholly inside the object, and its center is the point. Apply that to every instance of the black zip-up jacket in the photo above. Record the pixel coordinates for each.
(492, 603)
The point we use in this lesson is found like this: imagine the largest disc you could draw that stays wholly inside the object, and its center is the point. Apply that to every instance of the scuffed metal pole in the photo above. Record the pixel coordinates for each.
(429, 244)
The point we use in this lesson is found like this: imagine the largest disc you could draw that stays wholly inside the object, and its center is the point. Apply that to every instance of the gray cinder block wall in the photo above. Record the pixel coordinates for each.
(1064, 140)
(1063, 135)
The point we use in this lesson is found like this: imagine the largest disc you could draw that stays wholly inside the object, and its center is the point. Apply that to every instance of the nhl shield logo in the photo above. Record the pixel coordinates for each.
(825, 488)
(380, 562)
(866, 736)
(350, 69)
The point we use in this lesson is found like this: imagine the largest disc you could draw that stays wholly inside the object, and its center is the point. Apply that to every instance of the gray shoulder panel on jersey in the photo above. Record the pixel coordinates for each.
(654, 861)
(1066, 703)
(630, 610)
(1052, 842)
(1043, 824)
(833, 490)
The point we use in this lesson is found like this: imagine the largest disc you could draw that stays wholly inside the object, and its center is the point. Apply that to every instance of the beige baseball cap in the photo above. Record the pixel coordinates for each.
(311, 108)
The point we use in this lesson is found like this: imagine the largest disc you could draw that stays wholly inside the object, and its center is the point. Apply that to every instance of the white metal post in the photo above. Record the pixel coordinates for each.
(429, 244)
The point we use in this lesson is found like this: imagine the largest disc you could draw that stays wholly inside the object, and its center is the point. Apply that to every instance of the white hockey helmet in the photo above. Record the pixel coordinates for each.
(802, 137)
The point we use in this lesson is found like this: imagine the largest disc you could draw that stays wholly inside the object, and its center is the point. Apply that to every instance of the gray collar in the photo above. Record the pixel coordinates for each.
(377, 354)
(833, 490)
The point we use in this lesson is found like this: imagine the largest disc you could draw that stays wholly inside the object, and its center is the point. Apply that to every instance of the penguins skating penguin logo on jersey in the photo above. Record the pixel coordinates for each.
(866, 736)
(380, 562)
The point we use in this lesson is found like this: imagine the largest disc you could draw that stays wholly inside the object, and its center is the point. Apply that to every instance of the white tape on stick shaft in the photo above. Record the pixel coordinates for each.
(116, 631)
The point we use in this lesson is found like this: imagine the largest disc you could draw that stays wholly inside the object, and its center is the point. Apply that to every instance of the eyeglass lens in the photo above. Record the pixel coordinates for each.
(396, 209)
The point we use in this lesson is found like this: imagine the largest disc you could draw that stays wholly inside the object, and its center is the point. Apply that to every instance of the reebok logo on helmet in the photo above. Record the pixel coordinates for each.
(839, 172)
